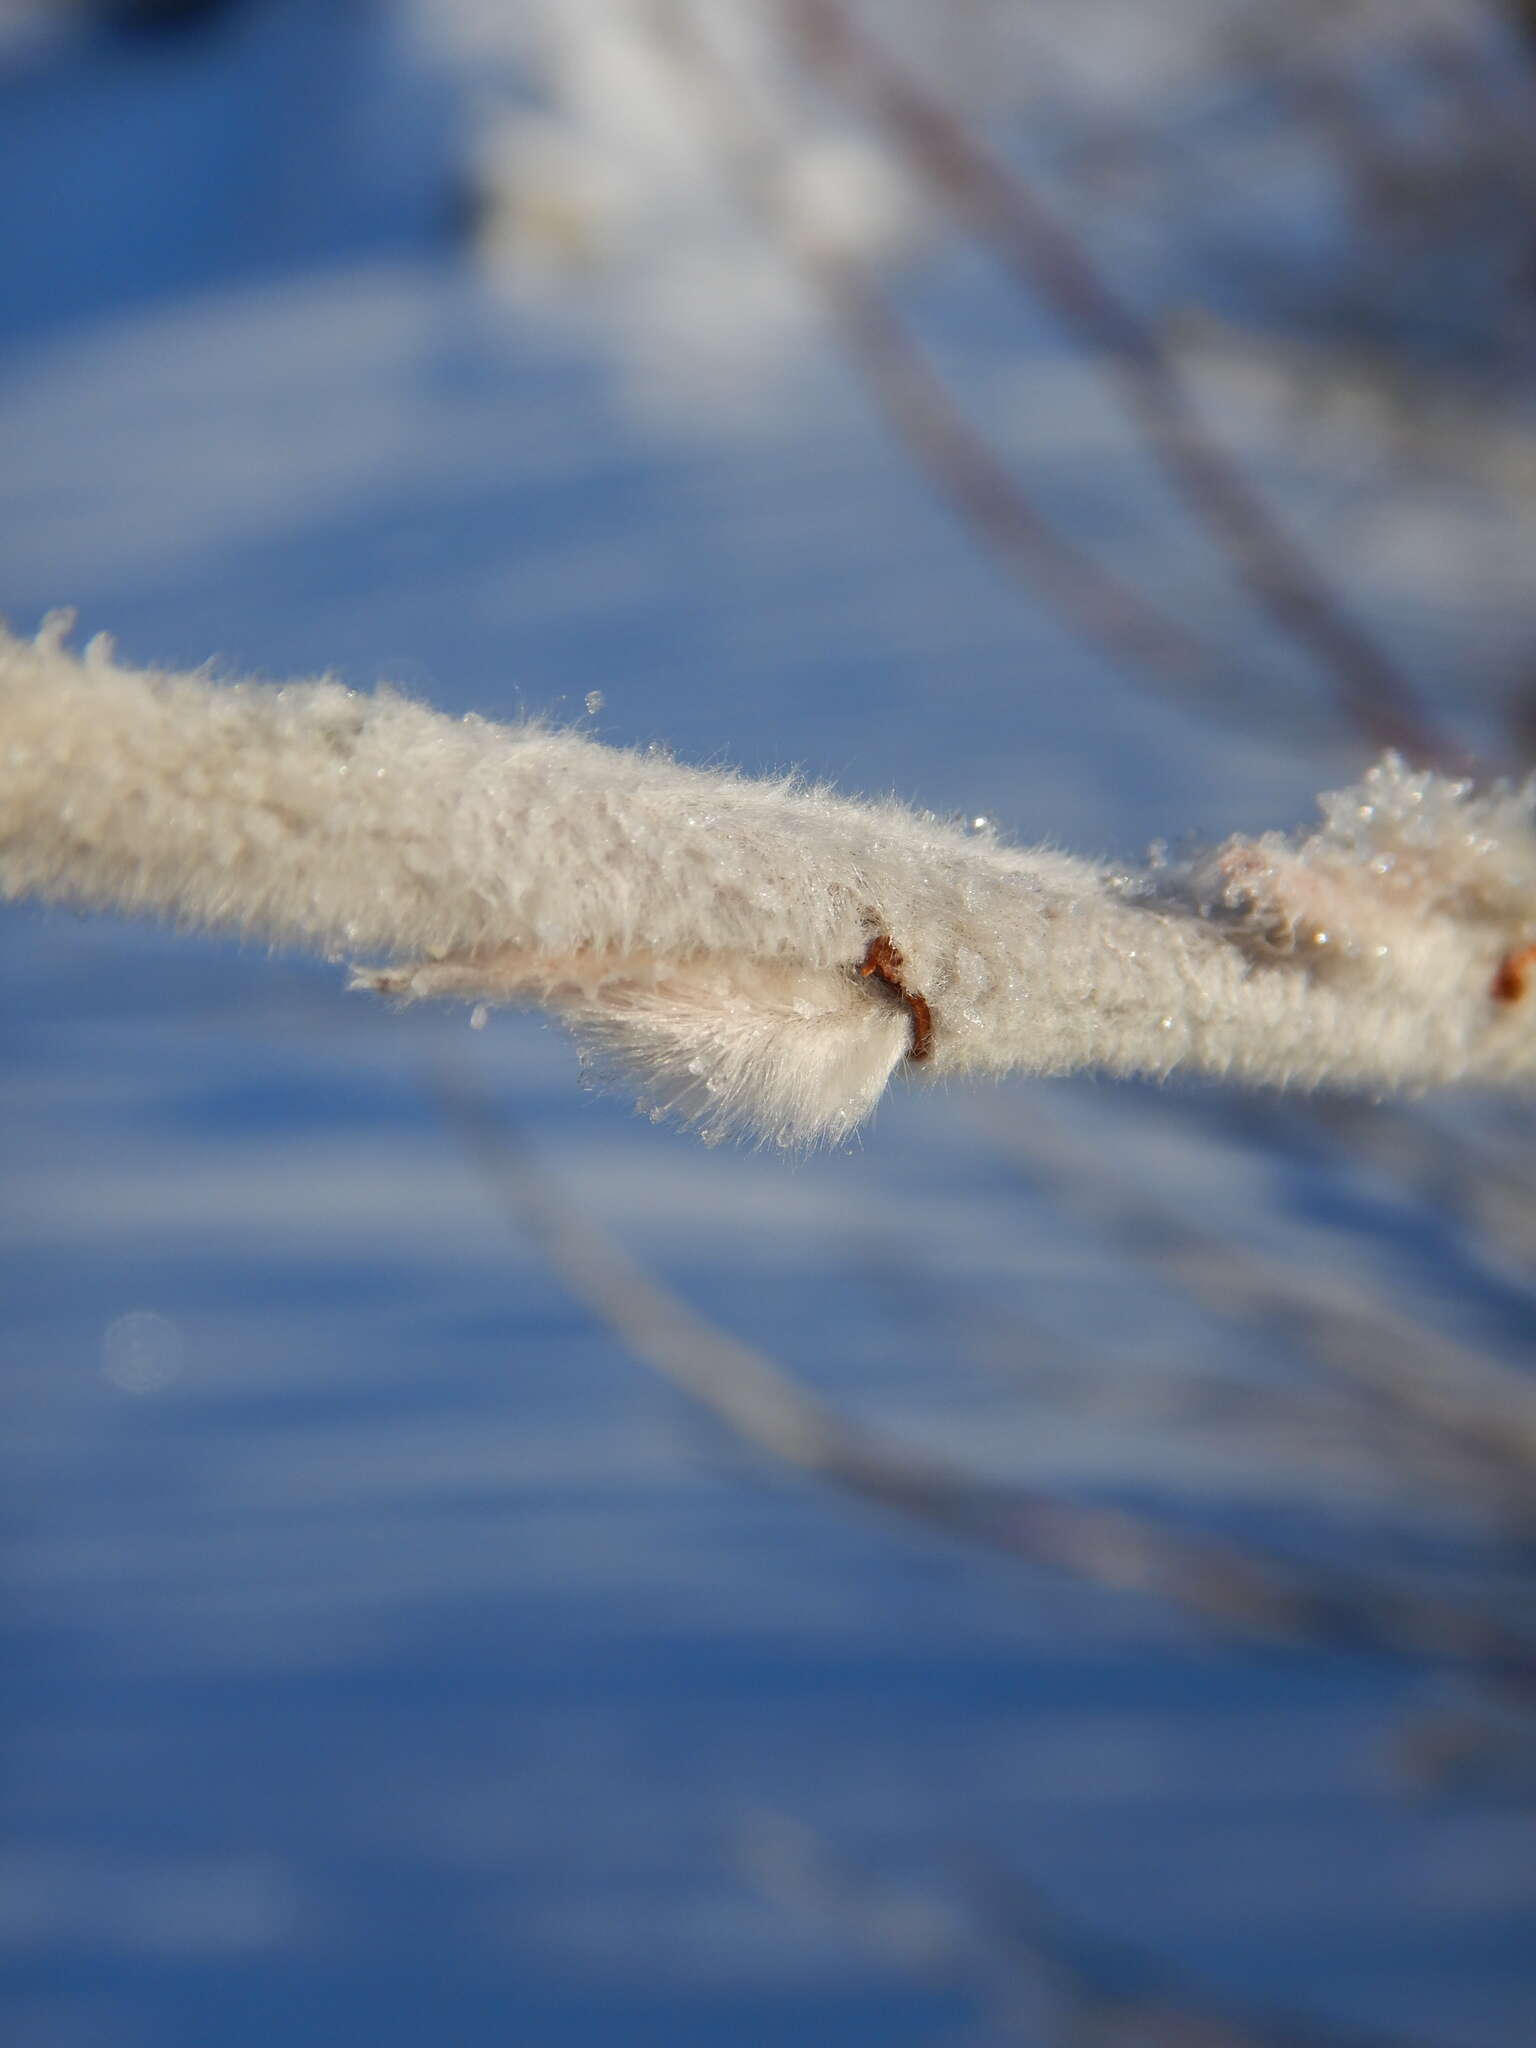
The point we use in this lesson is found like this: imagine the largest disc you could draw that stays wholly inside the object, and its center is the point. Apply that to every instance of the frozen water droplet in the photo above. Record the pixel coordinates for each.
(980, 827)
(477, 1017)
(594, 702)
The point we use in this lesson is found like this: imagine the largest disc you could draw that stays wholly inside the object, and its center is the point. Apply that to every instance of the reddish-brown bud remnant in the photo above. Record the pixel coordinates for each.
(882, 959)
(1512, 978)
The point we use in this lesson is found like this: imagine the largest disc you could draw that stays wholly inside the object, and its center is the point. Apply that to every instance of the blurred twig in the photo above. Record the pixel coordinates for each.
(1227, 1586)
(1468, 1415)
(1098, 606)
(1492, 86)
(1045, 257)
(1488, 1187)
(1038, 1974)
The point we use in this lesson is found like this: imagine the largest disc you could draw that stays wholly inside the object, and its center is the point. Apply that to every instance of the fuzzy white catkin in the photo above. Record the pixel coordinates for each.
(707, 930)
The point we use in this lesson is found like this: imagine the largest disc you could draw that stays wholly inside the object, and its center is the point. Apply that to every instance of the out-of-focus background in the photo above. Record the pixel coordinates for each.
(1106, 422)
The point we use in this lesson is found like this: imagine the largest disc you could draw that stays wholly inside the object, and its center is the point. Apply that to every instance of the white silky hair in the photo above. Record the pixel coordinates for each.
(706, 932)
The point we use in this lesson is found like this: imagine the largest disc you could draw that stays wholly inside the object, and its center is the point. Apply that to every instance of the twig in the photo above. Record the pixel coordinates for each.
(1487, 1184)
(1116, 1996)
(1096, 605)
(1027, 1961)
(1044, 257)
(1226, 1586)
(1463, 1407)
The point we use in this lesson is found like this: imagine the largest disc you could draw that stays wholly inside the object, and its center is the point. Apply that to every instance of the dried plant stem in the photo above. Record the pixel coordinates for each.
(994, 1929)
(1045, 257)
(1227, 1586)
(1099, 607)
(1461, 1414)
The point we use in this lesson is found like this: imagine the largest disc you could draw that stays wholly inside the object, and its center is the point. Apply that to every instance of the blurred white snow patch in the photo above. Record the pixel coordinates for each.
(141, 1352)
(318, 1198)
(671, 1932)
(176, 435)
(608, 200)
(852, 199)
(651, 174)
(57, 1899)
(324, 1197)
(205, 422)
(32, 24)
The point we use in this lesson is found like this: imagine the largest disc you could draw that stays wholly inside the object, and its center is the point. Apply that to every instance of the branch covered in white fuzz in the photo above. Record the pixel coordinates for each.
(763, 955)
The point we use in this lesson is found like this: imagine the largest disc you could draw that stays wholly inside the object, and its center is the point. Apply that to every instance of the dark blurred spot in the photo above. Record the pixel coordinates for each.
(1522, 721)
(166, 17)
(466, 206)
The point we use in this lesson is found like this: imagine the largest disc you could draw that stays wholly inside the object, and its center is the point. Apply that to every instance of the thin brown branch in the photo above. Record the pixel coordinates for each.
(1115, 1995)
(1462, 1417)
(1045, 258)
(1029, 1964)
(1495, 98)
(1097, 606)
(1228, 1587)
(1485, 1184)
